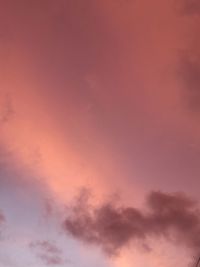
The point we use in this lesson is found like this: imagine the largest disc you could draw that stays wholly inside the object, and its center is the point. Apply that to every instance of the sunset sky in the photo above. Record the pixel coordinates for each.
(99, 133)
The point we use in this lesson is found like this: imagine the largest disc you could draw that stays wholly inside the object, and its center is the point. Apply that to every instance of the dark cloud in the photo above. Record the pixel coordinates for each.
(113, 227)
(49, 253)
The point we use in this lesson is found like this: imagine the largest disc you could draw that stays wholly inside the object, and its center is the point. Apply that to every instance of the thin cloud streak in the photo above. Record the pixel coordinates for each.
(48, 252)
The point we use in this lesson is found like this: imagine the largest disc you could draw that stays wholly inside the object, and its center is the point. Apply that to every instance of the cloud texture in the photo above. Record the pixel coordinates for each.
(114, 227)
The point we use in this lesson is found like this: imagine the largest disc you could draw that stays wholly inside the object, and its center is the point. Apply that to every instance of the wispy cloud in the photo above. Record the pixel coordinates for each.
(48, 252)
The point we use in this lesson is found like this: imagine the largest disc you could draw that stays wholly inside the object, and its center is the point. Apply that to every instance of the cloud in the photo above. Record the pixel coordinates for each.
(2, 221)
(189, 57)
(189, 7)
(114, 227)
(48, 252)
(6, 108)
(2, 218)
(189, 73)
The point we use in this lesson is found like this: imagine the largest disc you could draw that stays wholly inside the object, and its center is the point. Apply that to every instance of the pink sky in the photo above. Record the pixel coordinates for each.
(103, 97)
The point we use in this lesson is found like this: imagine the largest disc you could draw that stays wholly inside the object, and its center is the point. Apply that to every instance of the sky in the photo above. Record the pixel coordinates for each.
(99, 133)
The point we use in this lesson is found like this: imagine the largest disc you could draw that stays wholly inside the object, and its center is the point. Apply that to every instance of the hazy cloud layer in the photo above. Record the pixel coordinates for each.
(113, 227)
